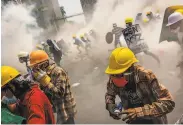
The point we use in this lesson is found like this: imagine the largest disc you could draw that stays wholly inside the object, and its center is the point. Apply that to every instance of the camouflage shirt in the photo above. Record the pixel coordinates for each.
(150, 96)
(62, 98)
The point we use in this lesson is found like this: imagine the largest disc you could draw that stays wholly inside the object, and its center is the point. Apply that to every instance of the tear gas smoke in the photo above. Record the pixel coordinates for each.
(90, 92)
(19, 32)
(104, 16)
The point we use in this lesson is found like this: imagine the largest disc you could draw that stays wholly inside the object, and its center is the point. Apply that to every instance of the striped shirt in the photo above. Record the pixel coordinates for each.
(117, 31)
(156, 99)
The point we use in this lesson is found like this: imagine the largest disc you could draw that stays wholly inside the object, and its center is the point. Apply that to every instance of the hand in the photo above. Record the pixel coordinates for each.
(38, 75)
(12, 107)
(132, 114)
(113, 114)
(42, 78)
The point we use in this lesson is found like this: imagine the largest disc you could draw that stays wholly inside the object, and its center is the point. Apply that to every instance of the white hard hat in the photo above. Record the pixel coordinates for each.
(42, 43)
(23, 54)
(174, 18)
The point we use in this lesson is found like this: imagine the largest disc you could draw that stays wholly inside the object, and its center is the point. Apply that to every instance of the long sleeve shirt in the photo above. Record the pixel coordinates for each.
(150, 95)
(36, 107)
(62, 99)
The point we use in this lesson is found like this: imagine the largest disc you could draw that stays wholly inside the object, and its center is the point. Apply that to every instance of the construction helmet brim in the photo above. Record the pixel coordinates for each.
(7, 74)
(37, 57)
(174, 18)
(120, 60)
(111, 71)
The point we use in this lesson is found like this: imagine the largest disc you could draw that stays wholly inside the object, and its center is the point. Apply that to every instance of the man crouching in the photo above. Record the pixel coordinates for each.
(144, 99)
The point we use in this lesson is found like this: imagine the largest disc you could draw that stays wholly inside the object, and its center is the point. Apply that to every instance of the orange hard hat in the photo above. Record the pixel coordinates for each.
(38, 56)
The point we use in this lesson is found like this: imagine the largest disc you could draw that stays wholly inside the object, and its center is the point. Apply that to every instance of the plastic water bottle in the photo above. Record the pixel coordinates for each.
(118, 108)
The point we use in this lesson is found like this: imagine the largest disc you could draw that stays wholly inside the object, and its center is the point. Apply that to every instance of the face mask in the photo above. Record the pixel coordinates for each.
(175, 30)
(8, 101)
(119, 82)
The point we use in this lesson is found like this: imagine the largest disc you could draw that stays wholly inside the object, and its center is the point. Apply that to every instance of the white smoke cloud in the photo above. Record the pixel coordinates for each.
(19, 32)
(17, 37)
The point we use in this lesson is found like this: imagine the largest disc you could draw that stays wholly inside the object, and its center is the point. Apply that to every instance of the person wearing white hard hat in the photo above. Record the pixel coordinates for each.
(23, 57)
(175, 23)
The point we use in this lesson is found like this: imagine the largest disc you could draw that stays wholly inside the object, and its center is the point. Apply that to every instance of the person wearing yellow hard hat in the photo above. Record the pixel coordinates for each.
(142, 97)
(86, 41)
(54, 79)
(145, 20)
(78, 43)
(33, 103)
(129, 22)
(7, 101)
(132, 35)
(149, 15)
(73, 36)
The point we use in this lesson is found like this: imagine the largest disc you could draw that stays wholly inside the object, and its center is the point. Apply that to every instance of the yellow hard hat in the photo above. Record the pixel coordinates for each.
(82, 35)
(145, 20)
(120, 60)
(38, 56)
(73, 36)
(180, 11)
(7, 74)
(128, 20)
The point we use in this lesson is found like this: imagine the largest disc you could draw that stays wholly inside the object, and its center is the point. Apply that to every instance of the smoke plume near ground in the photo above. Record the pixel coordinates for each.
(19, 32)
(90, 93)
(103, 18)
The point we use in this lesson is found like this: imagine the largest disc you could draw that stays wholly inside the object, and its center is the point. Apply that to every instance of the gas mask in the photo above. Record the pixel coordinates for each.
(121, 80)
(10, 100)
(18, 86)
(41, 66)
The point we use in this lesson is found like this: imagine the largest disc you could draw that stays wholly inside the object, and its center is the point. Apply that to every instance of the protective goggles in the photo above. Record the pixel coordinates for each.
(41, 65)
(122, 75)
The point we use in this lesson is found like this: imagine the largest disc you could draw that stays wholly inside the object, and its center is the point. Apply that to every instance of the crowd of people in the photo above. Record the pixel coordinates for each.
(44, 95)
